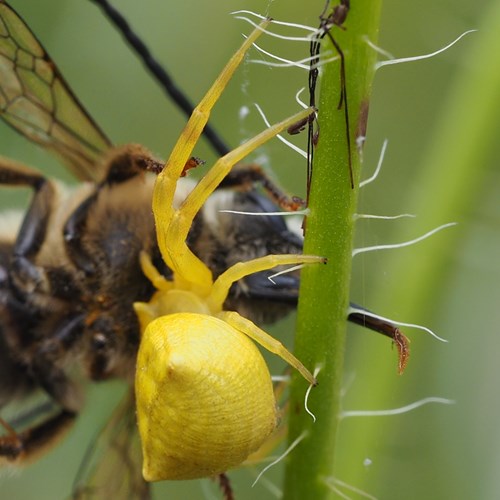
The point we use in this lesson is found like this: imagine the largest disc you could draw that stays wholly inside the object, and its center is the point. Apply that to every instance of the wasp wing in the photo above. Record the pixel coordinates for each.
(112, 467)
(36, 101)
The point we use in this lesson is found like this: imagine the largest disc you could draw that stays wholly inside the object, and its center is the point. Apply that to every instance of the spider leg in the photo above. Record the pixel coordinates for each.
(164, 192)
(172, 224)
(183, 261)
(238, 271)
(265, 340)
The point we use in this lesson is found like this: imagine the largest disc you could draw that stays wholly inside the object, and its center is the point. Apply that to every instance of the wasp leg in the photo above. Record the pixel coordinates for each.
(31, 235)
(245, 177)
(18, 448)
(24, 446)
(386, 328)
(45, 362)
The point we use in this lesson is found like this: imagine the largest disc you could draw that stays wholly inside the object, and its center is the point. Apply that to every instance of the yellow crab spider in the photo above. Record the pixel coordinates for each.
(204, 394)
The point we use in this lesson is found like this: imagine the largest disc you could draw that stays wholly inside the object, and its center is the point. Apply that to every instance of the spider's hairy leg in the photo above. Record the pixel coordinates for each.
(238, 271)
(157, 279)
(178, 226)
(195, 200)
(245, 326)
(172, 224)
(166, 182)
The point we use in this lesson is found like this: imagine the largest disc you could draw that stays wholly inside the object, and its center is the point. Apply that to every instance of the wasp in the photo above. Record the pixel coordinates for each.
(72, 266)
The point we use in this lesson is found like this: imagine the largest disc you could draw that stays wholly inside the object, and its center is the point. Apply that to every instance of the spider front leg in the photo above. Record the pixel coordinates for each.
(166, 183)
(173, 231)
(172, 224)
(220, 291)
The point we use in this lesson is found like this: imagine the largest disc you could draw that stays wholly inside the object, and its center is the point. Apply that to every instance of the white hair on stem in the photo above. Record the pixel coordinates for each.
(271, 487)
(333, 483)
(383, 217)
(300, 438)
(276, 35)
(378, 49)
(279, 136)
(401, 60)
(279, 23)
(396, 411)
(285, 271)
(306, 398)
(332, 486)
(303, 213)
(379, 165)
(374, 248)
(299, 101)
(287, 63)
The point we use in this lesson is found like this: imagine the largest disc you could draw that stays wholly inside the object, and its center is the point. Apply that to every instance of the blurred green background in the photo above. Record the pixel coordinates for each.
(433, 452)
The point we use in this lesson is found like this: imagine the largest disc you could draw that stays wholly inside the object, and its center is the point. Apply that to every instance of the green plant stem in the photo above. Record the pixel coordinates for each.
(324, 292)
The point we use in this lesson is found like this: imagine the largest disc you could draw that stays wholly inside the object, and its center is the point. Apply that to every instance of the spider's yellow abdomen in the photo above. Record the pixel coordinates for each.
(204, 397)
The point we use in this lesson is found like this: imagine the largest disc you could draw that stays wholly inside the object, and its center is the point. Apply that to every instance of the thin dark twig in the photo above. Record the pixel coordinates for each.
(161, 75)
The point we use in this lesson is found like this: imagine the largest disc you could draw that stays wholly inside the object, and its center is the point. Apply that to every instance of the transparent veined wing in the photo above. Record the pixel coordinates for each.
(37, 102)
(112, 467)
